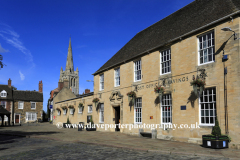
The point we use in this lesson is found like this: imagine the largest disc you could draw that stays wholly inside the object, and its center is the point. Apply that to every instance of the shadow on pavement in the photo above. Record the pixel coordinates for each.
(21, 133)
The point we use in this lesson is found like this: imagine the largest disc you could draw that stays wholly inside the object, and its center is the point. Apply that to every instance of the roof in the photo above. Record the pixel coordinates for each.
(4, 111)
(28, 96)
(78, 96)
(8, 90)
(189, 18)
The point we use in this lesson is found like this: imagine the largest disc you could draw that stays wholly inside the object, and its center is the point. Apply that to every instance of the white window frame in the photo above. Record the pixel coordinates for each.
(117, 77)
(3, 103)
(138, 111)
(19, 104)
(64, 111)
(165, 60)
(33, 103)
(209, 48)
(90, 106)
(137, 70)
(80, 110)
(206, 106)
(101, 82)
(71, 111)
(31, 115)
(166, 107)
(59, 112)
(101, 113)
(3, 93)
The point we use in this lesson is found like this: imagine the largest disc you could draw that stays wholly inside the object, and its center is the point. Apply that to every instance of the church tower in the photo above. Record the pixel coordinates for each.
(69, 73)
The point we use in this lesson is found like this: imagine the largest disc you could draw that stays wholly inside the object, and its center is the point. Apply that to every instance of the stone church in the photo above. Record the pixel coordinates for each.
(69, 73)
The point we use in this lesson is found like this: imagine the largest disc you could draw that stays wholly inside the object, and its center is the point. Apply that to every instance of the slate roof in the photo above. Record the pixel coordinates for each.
(8, 90)
(191, 17)
(28, 96)
(3, 111)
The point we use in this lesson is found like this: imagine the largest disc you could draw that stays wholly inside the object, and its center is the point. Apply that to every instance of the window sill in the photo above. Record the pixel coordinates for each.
(165, 73)
(79, 112)
(101, 122)
(206, 125)
(206, 63)
(89, 112)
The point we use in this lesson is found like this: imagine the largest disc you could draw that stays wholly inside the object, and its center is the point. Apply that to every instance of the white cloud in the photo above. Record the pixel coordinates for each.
(11, 37)
(2, 50)
(21, 75)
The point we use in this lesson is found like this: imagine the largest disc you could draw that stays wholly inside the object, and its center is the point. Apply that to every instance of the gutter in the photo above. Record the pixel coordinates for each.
(216, 21)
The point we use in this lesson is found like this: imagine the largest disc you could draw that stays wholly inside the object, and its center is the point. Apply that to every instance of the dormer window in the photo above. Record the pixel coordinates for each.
(3, 93)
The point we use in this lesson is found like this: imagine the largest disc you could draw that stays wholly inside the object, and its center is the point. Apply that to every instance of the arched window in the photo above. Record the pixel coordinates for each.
(3, 93)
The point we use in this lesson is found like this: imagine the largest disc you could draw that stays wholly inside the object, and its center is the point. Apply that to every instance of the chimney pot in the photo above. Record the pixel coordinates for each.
(40, 87)
(9, 83)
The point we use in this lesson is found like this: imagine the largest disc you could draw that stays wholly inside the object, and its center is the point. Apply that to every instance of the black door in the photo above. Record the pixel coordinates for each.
(117, 118)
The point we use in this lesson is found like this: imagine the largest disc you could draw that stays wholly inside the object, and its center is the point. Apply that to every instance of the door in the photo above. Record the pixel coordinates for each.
(117, 118)
(17, 118)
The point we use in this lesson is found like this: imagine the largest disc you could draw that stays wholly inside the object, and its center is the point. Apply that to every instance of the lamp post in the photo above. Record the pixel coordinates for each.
(229, 29)
(225, 58)
(91, 81)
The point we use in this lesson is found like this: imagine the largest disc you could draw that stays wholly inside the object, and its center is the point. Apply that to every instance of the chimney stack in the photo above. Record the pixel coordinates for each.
(65, 83)
(60, 85)
(9, 83)
(40, 87)
(87, 91)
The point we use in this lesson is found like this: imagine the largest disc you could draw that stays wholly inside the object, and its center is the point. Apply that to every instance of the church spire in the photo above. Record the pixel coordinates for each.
(69, 64)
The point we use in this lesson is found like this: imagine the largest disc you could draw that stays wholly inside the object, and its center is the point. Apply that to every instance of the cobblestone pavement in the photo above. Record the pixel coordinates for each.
(12, 147)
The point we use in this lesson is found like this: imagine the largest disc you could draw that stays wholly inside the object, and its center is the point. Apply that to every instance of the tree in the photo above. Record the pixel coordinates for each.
(1, 64)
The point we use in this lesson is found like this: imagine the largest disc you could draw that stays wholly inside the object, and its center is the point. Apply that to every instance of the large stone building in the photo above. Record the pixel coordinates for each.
(69, 73)
(198, 40)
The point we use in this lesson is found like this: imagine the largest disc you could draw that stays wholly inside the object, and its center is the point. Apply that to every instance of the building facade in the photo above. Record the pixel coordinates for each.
(24, 106)
(197, 41)
(69, 73)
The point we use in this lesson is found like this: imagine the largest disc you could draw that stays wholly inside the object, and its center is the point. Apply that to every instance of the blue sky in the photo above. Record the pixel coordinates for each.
(34, 36)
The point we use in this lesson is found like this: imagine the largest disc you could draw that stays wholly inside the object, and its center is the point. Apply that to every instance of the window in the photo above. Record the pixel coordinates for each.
(208, 107)
(3, 93)
(206, 48)
(59, 112)
(20, 105)
(3, 104)
(71, 110)
(90, 109)
(31, 116)
(117, 77)
(166, 108)
(64, 111)
(137, 71)
(5, 118)
(80, 109)
(138, 110)
(101, 111)
(102, 82)
(166, 61)
(33, 105)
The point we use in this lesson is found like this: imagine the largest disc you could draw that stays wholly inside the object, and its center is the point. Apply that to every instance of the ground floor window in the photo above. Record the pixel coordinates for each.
(101, 111)
(138, 110)
(5, 118)
(207, 106)
(71, 110)
(166, 108)
(31, 116)
(65, 111)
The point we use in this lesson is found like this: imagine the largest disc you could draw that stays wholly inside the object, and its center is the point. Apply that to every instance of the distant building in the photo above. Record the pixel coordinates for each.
(69, 73)
(24, 106)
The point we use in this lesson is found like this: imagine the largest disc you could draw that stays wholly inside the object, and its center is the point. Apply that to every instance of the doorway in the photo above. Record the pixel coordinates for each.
(17, 118)
(117, 118)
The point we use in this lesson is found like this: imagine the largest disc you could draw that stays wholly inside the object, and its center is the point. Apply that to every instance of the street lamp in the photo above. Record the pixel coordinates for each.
(91, 81)
(229, 29)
